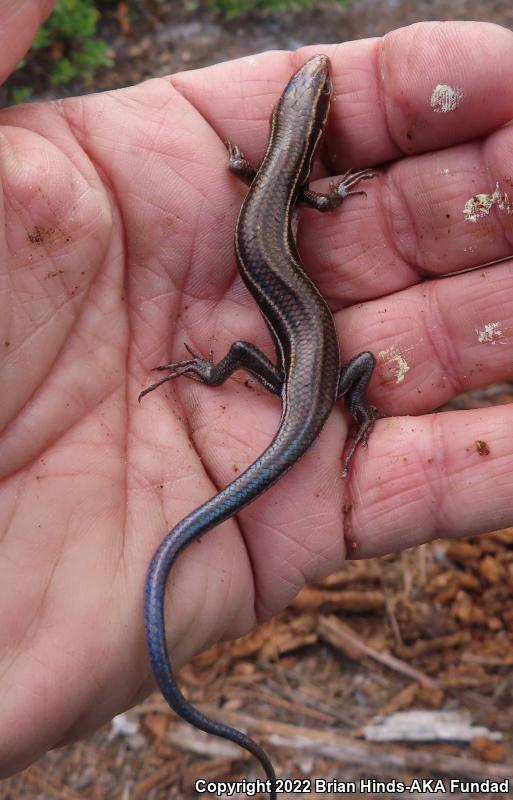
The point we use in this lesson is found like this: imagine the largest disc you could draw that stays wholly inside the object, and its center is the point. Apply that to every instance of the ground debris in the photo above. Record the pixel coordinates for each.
(308, 685)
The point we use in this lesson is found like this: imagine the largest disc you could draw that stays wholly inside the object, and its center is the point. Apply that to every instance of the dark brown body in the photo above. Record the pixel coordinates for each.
(297, 315)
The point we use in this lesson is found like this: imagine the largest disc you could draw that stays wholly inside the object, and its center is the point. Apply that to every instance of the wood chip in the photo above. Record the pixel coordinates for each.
(426, 726)
(349, 600)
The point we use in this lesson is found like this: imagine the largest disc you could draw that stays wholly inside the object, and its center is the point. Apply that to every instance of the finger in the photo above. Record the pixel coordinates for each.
(419, 88)
(386, 99)
(18, 25)
(439, 476)
(426, 215)
(435, 340)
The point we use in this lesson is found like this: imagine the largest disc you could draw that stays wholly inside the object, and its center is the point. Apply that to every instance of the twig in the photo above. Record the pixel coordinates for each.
(343, 637)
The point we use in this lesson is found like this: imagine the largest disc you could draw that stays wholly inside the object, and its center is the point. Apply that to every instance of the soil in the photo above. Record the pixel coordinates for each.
(158, 37)
(429, 629)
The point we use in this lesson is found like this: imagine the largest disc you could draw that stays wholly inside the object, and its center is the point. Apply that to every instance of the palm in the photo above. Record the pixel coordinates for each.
(112, 263)
(119, 214)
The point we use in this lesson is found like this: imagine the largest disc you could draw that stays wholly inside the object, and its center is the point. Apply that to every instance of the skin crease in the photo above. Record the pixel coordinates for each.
(117, 246)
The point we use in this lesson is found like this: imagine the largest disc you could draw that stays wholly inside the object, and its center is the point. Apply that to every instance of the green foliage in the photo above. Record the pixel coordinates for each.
(67, 42)
(236, 8)
(63, 71)
(71, 20)
(19, 94)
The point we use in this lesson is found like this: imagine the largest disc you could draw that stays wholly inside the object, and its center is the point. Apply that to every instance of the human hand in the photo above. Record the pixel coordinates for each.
(119, 215)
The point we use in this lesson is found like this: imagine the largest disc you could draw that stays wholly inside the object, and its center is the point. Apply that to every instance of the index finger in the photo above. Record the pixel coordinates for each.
(419, 88)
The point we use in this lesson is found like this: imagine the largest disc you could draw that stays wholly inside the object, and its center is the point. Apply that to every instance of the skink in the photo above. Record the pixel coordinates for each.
(307, 374)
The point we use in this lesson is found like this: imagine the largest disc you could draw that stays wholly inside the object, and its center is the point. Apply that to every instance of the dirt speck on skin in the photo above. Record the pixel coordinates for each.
(35, 236)
(47, 235)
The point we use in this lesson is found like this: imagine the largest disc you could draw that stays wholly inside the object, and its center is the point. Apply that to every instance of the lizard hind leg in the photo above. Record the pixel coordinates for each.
(353, 382)
(241, 355)
(238, 163)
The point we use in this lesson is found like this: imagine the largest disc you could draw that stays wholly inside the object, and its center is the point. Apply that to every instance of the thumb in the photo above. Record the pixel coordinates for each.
(18, 25)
